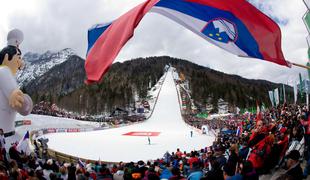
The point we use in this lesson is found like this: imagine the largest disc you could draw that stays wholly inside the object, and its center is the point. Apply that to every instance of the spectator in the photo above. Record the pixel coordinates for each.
(216, 172)
(176, 174)
(247, 171)
(195, 173)
(165, 174)
(142, 168)
(229, 172)
(293, 165)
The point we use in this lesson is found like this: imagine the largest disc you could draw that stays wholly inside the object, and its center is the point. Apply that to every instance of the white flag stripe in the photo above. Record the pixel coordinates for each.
(196, 25)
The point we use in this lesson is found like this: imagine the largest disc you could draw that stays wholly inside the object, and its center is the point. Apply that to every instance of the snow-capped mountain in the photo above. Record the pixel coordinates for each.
(38, 64)
(31, 57)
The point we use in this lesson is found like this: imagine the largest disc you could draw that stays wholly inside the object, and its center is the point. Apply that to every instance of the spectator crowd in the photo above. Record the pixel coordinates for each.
(246, 147)
(50, 109)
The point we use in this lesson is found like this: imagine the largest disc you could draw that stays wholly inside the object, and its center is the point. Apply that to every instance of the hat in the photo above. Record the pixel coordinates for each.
(15, 37)
(141, 163)
(49, 162)
(283, 130)
(294, 154)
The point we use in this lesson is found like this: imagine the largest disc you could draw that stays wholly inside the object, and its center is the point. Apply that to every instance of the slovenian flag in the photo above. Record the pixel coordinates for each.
(23, 144)
(239, 130)
(81, 163)
(236, 26)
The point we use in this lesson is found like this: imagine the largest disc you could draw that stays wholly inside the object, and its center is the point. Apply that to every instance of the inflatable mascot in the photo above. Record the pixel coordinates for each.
(12, 99)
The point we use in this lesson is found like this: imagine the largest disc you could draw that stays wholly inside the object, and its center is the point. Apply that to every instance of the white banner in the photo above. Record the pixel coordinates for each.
(284, 97)
(276, 96)
(271, 97)
(295, 92)
(308, 39)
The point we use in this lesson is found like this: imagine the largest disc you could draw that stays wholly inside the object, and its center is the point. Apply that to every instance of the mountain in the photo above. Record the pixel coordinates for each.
(63, 84)
(38, 64)
(60, 80)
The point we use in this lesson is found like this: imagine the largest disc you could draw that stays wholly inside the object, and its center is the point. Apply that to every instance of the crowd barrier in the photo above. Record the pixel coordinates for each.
(59, 156)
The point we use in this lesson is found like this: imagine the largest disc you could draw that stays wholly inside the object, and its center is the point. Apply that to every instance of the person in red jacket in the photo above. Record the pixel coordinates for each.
(283, 142)
(258, 134)
(260, 152)
(192, 159)
(179, 153)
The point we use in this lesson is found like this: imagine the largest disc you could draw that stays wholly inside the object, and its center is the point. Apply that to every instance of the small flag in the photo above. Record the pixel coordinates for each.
(23, 144)
(81, 163)
(239, 131)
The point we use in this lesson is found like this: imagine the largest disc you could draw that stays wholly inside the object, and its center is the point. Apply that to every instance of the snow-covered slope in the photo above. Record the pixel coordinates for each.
(39, 122)
(113, 146)
(36, 65)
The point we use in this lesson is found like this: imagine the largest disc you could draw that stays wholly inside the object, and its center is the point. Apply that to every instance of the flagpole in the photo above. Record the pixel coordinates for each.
(300, 65)
(307, 101)
(288, 62)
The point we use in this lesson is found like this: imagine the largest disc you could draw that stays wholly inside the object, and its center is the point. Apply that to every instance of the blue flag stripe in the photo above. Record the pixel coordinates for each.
(95, 33)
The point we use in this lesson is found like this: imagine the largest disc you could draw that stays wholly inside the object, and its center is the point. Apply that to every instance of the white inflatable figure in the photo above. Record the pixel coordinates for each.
(12, 99)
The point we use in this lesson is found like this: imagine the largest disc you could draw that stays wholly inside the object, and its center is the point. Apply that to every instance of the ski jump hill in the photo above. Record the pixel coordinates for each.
(165, 129)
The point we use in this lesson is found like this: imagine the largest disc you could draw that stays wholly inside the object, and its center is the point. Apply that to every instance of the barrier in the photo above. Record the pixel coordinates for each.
(59, 156)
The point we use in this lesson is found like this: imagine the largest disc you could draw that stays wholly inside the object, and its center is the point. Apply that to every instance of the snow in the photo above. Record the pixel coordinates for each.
(111, 145)
(39, 122)
(37, 65)
(153, 93)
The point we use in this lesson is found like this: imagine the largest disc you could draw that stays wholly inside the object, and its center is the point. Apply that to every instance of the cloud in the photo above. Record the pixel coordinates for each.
(55, 24)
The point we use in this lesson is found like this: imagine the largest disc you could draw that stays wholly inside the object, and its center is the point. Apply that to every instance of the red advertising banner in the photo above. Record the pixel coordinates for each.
(27, 122)
(51, 130)
(141, 133)
(73, 130)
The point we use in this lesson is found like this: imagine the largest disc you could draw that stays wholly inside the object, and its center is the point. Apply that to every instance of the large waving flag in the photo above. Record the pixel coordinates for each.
(236, 26)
